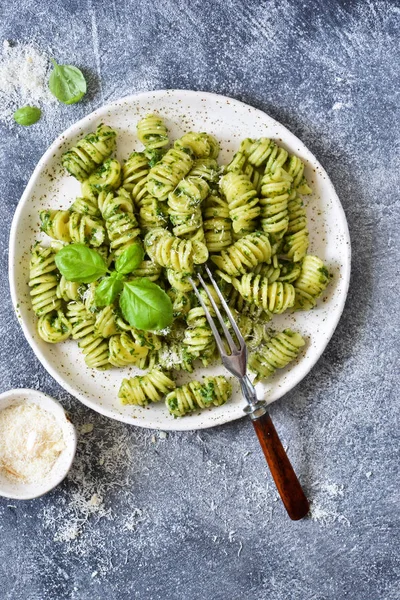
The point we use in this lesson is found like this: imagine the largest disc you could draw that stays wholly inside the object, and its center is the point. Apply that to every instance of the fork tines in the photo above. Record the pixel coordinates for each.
(235, 350)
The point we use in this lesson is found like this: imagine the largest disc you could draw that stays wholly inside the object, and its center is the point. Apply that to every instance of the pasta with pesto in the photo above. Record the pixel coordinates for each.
(152, 213)
(200, 145)
(313, 279)
(43, 281)
(274, 297)
(214, 391)
(199, 340)
(276, 353)
(172, 252)
(69, 290)
(152, 132)
(120, 221)
(166, 174)
(244, 255)
(243, 202)
(295, 239)
(93, 346)
(184, 207)
(124, 350)
(134, 175)
(141, 390)
(54, 327)
(72, 227)
(171, 207)
(90, 152)
(107, 177)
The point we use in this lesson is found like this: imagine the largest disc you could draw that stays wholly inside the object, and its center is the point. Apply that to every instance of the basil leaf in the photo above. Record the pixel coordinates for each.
(79, 263)
(145, 305)
(130, 259)
(67, 83)
(108, 289)
(27, 115)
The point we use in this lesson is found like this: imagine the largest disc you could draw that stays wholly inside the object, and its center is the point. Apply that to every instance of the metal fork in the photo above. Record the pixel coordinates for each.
(281, 469)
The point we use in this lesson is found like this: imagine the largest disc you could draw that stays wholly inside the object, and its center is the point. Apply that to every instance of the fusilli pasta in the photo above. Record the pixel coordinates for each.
(275, 189)
(152, 213)
(295, 241)
(242, 202)
(310, 284)
(54, 327)
(201, 145)
(90, 152)
(142, 389)
(134, 175)
(172, 252)
(147, 268)
(67, 226)
(206, 168)
(69, 290)
(257, 151)
(106, 178)
(244, 255)
(152, 132)
(274, 297)
(216, 223)
(166, 174)
(184, 208)
(295, 167)
(121, 224)
(276, 353)
(195, 395)
(43, 280)
(93, 346)
(87, 205)
(249, 215)
(124, 350)
(199, 339)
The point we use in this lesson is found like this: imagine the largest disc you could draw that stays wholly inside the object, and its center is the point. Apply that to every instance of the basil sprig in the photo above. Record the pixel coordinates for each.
(143, 303)
(81, 264)
(67, 83)
(27, 115)
(108, 289)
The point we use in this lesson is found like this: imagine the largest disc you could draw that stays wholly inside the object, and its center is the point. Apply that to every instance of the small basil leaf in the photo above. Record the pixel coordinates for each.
(27, 115)
(130, 259)
(67, 83)
(79, 263)
(145, 305)
(107, 290)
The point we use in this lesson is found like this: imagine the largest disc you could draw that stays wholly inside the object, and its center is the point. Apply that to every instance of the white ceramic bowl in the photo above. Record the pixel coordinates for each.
(230, 121)
(27, 491)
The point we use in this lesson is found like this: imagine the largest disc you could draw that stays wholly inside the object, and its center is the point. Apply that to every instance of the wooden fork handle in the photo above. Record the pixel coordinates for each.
(281, 469)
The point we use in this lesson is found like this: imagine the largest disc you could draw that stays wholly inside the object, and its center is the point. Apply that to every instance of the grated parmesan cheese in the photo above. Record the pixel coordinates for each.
(30, 442)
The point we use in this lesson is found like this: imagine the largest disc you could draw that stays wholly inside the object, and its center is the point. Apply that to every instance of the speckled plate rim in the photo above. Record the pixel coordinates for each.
(184, 424)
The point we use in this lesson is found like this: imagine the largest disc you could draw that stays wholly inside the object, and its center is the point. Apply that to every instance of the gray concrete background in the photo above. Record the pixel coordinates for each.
(195, 515)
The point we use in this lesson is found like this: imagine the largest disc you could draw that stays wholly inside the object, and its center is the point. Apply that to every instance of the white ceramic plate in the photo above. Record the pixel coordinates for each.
(230, 121)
